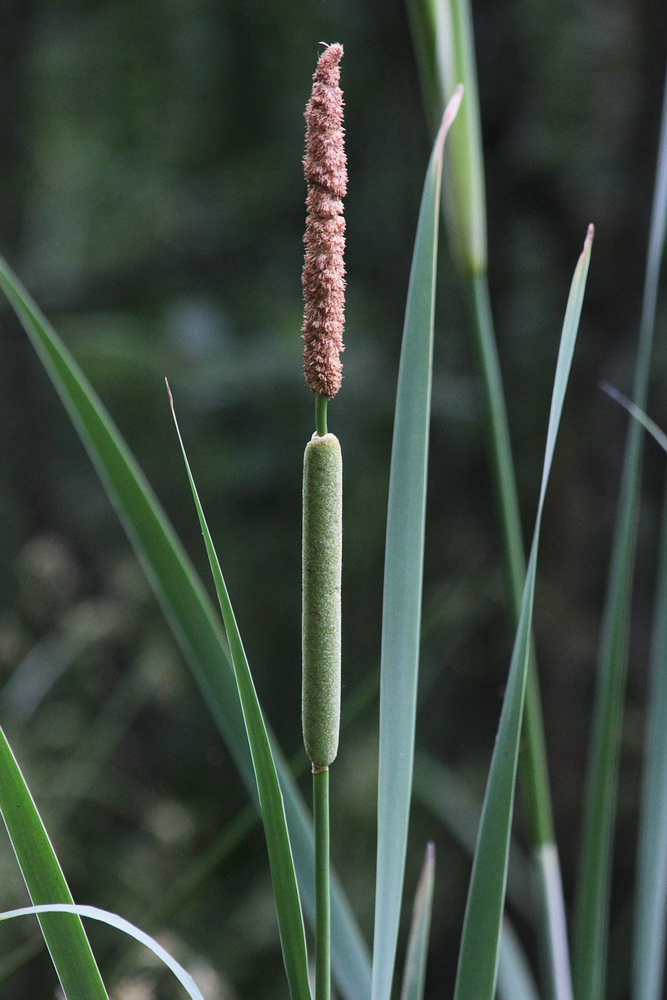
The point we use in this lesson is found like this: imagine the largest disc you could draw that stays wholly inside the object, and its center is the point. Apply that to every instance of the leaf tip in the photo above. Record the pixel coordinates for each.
(171, 398)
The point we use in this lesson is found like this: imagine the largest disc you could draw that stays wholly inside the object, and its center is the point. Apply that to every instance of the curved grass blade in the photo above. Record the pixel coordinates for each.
(188, 611)
(286, 894)
(417, 951)
(401, 612)
(593, 884)
(64, 936)
(478, 956)
(113, 920)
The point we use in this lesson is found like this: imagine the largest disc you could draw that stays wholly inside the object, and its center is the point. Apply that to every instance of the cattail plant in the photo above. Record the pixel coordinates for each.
(323, 320)
(216, 653)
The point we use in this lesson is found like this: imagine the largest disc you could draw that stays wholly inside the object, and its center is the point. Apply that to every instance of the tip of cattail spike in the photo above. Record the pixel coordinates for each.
(323, 281)
(328, 71)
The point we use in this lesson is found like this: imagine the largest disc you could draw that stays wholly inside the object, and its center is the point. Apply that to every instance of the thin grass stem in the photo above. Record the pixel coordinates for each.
(321, 403)
(322, 890)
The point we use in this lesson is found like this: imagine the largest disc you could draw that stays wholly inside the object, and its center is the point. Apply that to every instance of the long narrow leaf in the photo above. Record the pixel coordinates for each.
(285, 890)
(417, 951)
(188, 611)
(113, 920)
(651, 905)
(401, 612)
(65, 937)
(478, 957)
(442, 33)
(593, 886)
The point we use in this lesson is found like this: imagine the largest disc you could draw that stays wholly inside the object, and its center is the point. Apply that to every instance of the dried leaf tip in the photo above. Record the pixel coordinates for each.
(323, 279)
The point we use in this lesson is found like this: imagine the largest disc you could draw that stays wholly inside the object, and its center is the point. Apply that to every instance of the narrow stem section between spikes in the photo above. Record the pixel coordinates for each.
(321, 403)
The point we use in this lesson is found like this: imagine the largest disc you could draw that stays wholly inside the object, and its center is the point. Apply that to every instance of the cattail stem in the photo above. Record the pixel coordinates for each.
(322, 550)
(321, 403)
(322, 888)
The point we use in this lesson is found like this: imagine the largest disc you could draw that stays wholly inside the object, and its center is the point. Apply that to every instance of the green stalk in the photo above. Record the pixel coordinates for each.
(322, 552)
(322, 904)
(321, 414)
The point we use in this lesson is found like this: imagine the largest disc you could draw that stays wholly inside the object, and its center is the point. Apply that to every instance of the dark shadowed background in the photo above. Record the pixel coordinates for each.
(151, 198)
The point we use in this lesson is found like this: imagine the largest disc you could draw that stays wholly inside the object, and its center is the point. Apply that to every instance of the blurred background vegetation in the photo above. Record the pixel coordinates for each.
(151, 198)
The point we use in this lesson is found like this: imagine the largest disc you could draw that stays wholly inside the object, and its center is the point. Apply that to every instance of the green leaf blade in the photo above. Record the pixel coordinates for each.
(591, 923)
(64, 935)
(401, 612)
(651, 902)
(286, 894)
(480, 943)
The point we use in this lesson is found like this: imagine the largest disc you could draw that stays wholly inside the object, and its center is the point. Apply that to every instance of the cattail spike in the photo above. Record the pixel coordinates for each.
(322, 562)
(325, 170)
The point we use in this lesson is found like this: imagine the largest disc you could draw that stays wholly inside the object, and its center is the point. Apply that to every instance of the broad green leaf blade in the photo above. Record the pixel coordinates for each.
(478, 957)
(401, 612)
(113, 920)
(417, 951)
(188, 611)
(286, 894)
(64, 935)
(593, 882)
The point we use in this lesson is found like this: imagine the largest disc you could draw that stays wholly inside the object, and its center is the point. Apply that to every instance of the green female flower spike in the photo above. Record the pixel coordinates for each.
(322, 560)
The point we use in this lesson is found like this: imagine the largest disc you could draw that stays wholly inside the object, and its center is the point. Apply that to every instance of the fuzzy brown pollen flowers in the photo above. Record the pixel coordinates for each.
(325, 169)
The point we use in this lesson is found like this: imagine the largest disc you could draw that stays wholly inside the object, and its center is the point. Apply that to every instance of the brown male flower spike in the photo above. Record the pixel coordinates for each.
(323, 270)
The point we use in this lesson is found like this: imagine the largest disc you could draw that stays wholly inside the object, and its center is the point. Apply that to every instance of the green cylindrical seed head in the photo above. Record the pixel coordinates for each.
(322, 560)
